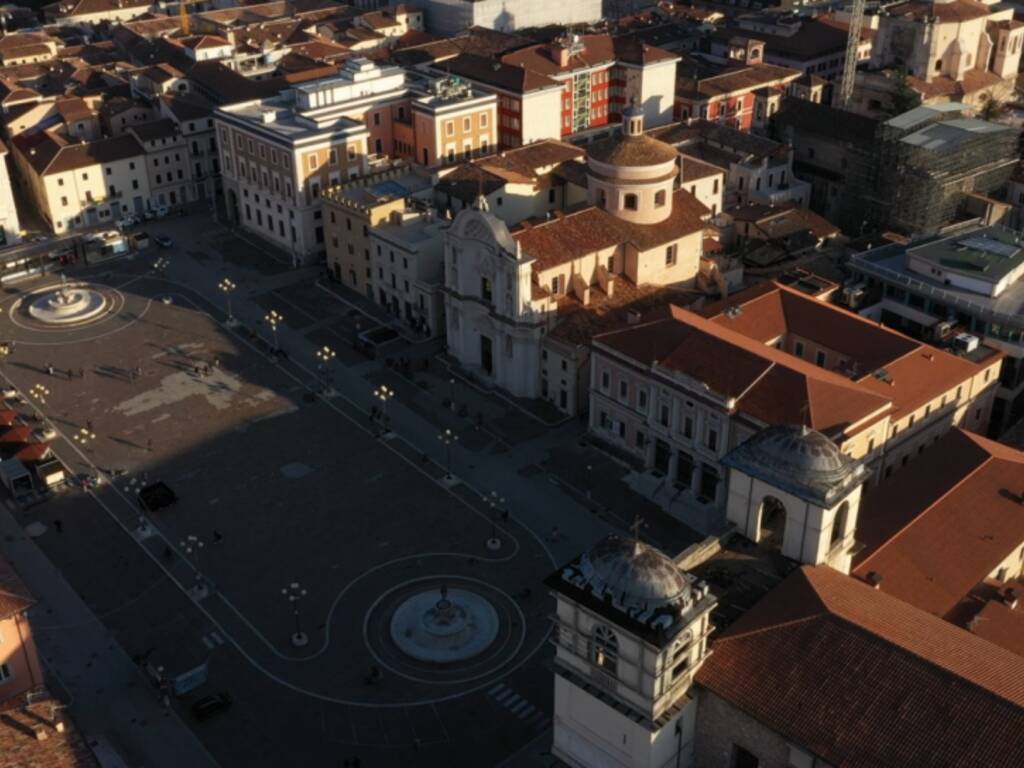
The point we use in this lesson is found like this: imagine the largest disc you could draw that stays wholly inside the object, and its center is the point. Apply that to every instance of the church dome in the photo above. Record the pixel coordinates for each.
(632, 574)
(796, 459)
(632, 151)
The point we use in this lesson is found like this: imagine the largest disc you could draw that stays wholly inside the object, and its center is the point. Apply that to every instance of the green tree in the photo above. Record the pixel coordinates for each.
(904, 97)
(991, 108)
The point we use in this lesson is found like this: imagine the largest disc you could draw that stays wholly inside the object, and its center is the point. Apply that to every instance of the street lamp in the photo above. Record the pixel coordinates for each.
(448, 437)
(192, 545)
(384, 393)
(451, 391)
(293, 593)
(83, 437)
(39, 392)
(496, 504)
(274, 319)
(227, 285)
(161, 264)
(325, 355)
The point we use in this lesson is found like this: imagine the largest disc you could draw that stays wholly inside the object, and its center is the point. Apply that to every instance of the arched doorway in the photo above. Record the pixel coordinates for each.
(771, 523)
(839, 524)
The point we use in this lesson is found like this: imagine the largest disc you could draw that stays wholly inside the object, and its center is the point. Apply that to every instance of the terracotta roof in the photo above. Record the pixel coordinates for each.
(860, 678)
(189, 107)
(48, 154)
(14, 595)
(998, 623)
(694, 169)
(738, 81)
(951, 10)
(574, 235)
(74, 108)
(152, 130)
(945, 523)
(768, 384)
(505, 77)
(33, 452)
(595, 50)
(63, 8)
(20, 747)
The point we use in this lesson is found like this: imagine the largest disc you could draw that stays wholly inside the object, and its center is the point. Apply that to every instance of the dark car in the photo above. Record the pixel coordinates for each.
(208, 706)
(163, 241)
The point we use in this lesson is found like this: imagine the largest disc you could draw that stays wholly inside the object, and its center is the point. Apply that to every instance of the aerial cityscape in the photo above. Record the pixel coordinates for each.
(471, 383)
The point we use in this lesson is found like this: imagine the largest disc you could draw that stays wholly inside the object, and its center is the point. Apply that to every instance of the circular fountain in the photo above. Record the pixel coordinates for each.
(69, 304)
(458, 626)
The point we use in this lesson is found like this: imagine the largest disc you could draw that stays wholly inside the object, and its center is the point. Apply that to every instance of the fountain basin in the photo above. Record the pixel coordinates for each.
(458, 626)
(67, 305)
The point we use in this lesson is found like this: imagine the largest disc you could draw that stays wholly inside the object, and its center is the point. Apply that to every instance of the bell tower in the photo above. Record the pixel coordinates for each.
(631, 630)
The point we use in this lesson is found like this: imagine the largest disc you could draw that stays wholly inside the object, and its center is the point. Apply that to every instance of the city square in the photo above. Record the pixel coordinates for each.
(278, 486)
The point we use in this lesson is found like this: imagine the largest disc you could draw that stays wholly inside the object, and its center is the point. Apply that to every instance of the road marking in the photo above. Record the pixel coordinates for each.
(496, 689)
(527, 712)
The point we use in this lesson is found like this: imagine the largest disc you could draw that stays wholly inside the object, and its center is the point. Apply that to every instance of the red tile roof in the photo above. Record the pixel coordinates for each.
(14, 595)
(860, 678)
(578, 234)
(21, 748)
(947, 522)
(595, 50)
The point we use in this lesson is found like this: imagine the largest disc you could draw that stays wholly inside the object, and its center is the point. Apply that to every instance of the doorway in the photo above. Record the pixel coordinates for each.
(486, 355)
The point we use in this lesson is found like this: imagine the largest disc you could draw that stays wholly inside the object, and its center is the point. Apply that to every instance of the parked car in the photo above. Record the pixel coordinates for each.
(127, 222)
(208, 706)
(164, 241)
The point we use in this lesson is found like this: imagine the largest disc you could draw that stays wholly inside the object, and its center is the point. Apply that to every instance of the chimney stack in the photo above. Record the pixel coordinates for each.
(1011, 598)
(874, 578)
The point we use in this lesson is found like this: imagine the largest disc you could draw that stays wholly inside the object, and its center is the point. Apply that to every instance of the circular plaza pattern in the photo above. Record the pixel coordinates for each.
(444, 629)
(65, 306)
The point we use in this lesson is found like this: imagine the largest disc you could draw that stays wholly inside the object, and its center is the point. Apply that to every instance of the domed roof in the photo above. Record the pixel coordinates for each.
(632, 151)
(632, 574)
(796, 459)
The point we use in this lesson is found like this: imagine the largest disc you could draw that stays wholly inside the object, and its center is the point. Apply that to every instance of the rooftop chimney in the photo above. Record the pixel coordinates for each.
(1010, 598)
(874, 578)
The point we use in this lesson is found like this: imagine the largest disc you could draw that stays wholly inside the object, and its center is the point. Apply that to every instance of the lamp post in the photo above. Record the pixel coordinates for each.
(274, 319)
(161, 264)
(39, 392)
(293, 593)
(448, 437)
(384, 393)
(496, 504)
(227, 285)
(451, 392)
(325, 355)
(83, 437)
(192, 545)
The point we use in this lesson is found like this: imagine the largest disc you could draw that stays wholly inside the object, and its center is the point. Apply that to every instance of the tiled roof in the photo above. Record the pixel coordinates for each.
(694, 169)
(768, 384)
(52, 155)
(861, 679)
(14, 595)
(596, 49)
(503, 76)
(571, 236)
(68, 8)
(951, 10)
(155, 129)
(20, 747)
(632, 151)
(739, 80)
(950, 518)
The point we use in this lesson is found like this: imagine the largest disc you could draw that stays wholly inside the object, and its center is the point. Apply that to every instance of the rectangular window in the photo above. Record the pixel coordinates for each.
(606, 380)
(312, 162)
(623, 390)
(333, 157)
(712, 441)
(819, 359)
(449, 128)
(483, 119)
(641, 400)
(670, 255)
(5, 673)
(798, 349)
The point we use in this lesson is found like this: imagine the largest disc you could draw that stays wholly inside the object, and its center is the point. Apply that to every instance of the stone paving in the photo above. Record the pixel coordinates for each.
(284, 486)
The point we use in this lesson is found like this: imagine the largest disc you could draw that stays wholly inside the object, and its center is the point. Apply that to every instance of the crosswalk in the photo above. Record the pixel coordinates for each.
(212, 640)
(520, 707)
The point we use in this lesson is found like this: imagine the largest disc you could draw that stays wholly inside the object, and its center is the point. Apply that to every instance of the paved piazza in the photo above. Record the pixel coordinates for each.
(281, 488)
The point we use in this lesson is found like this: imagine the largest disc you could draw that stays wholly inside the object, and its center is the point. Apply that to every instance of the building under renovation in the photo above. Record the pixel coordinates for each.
(909, 173)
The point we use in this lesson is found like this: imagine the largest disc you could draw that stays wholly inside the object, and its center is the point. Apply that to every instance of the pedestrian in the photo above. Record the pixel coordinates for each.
(216, 362)
(149, 445)
(196, 371)
(49, 370)
(88, 424)
(217, 537)
(131, 376)
(71, 374)
(81, 373)
(138, 371)
(206, 370)
(58, 525)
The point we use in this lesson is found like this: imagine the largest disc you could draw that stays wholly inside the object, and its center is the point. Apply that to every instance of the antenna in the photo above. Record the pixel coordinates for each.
(845, 93)
(638, 523)
(805, 416)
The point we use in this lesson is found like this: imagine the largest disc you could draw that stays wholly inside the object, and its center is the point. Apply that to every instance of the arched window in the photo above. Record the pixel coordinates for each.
(630, 202)
(659, 198)
(839, 523)
(606, 650)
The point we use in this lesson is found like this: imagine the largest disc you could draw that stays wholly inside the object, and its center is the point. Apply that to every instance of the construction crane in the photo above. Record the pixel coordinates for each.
(845, 94)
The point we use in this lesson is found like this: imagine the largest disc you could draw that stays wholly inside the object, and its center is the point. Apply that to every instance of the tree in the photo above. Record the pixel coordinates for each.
(904, 97)
(991, 108)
